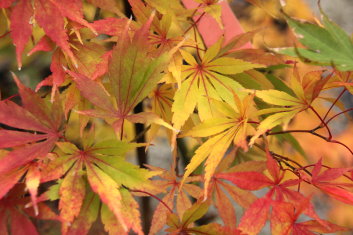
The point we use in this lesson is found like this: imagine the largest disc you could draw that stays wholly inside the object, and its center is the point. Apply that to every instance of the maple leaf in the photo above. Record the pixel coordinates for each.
(204, 81)
(44, 44)
(50, 15)
(254, 180)
(129, 211)
(334, 189)
(174, 8)
(20, 223)
(88, 215)
(231, 126)
(169, 13)
(21, 28)
(110, 25)
(167, 39)
(170, 182)
(184, 226)
(305, 89)
(212, 8)
(221, 190)
(239, 47)
(91, 59)
(37, 128)
(6, 3)
(161, 101)
(9, 179)
(72, 192)
(284, 218)
(106, 171)
(12, 208)
(107, 5)
(290, 107)
(57, 77)
(207, 25)
(52, 21)
(342, 79)
(328, 45)
(72, 9)
(131, 79)
(310, 85)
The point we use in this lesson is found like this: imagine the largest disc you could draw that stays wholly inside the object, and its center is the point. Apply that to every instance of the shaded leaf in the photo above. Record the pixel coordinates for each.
(328, 45)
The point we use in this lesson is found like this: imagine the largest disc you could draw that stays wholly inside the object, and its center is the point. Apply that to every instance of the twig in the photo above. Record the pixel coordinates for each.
(334, 116)
(322, 122)
(327, 139)
(333, 104)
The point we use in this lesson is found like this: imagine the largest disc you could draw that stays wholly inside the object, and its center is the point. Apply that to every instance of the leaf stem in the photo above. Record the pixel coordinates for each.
(154, 196)
(196, 21)
(9, 98)
(289, 131)
(4, 35)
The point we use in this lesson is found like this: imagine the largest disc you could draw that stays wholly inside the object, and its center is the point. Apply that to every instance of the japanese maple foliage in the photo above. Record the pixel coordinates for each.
(187, 71)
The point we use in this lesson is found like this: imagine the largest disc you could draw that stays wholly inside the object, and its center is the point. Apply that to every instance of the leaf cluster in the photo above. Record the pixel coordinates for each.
(73, 144)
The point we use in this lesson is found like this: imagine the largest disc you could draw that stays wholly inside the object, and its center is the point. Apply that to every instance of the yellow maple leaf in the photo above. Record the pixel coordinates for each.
(205, 81)
(233, 125)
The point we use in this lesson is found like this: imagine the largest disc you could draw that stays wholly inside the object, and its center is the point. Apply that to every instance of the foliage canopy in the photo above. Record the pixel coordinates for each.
(186, 71)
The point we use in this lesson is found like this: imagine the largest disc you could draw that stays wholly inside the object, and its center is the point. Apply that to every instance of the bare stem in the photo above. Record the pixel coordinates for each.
(13, 96)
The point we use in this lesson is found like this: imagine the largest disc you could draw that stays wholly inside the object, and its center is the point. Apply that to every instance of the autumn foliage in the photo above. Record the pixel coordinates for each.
(250, 128)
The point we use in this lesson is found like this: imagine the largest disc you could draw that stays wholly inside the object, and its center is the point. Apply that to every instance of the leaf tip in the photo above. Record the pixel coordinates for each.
(36, 211)
(28, 205)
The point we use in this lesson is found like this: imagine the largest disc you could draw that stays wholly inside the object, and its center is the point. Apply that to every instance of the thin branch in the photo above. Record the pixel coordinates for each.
(142, 160)
(334, 116)
(289, 131)
(197, 45)
(285, 159)
(327, 139)
(322, 122)
(340, 143)
(194, 47)
(333, 104)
